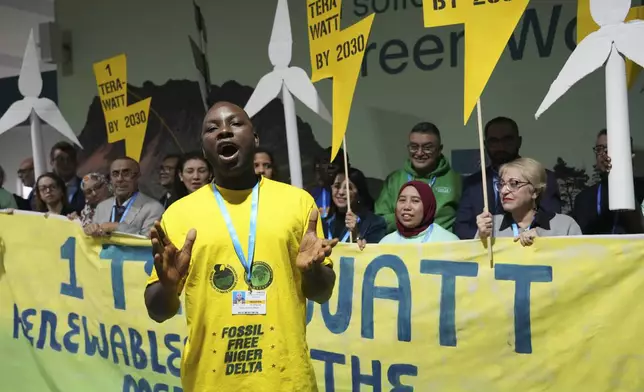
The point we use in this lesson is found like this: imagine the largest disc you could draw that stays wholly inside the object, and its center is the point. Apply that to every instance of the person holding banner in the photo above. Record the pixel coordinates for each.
(366, 227)
(129, 211)
(415, 213)
(522, 183)
(426, 163)
(258, 344)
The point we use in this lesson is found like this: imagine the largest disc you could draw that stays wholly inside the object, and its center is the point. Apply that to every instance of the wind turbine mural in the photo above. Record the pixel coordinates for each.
(614, 40)
(35, 108)
(287, 80)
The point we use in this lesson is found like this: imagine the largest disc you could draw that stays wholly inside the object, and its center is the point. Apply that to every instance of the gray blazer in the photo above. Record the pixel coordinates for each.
(139, 219)
(546, 224)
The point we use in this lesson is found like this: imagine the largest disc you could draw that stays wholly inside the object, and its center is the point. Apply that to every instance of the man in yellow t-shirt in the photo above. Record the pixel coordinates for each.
(248, 252)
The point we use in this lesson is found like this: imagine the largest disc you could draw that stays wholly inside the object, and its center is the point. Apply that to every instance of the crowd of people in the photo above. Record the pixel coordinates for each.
(424, 201)
(215, 199)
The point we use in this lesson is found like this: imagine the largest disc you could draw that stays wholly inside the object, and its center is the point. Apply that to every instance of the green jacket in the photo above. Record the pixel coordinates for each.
(6, 200)
(447, 189)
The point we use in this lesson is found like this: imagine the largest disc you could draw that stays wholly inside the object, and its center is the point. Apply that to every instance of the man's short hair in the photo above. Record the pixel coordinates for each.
(127, 159)
(65, 147)
(172, 156)
(502, 120)
(426, 128)
(604, 132)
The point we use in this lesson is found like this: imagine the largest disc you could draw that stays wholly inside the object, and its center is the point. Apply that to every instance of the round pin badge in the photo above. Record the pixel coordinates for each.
(261, 275)
(223, 278)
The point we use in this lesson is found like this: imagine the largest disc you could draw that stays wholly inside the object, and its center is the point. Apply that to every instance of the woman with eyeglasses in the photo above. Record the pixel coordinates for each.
(51, 195)
(365, 226)
(415, 213)
(521, 184)
(96, 188)
(193, 172)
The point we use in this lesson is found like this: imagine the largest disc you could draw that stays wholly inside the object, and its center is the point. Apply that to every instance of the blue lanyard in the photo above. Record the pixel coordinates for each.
(329, 232)
(430, 182)
(127, 209)
(428, 234)
(325, 203)
(515, 228)
(246, 263)
(599, 208)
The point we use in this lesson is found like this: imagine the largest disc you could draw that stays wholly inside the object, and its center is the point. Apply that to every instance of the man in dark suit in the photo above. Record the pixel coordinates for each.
(590, 209)
(64, 163)
(502, 143)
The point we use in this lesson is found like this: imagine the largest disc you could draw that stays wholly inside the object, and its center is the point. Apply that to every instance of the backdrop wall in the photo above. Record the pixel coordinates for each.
(410, 73)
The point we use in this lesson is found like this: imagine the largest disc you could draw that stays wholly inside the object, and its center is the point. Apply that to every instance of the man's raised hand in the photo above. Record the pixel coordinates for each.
(170, 263)
(313, 250)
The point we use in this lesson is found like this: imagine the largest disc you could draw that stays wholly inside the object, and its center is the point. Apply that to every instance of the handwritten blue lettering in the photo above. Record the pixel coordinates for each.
(449, 270)
(402, 294)
(523, 275)
(68, 252)
(373, 379)
(329, 360)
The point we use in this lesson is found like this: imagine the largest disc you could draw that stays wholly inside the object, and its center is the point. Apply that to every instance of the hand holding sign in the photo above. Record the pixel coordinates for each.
(122, 122)
(336, 54)
(488, 26)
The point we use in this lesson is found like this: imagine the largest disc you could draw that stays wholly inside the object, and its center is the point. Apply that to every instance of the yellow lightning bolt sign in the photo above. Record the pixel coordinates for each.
(336, 54)
(122, 122)
(488, 27)
(586, 25)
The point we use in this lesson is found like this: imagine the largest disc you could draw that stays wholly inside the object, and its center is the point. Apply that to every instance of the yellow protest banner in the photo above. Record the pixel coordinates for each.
(562, 315)
(122, 121)
(586, 25)
(488, 27)
(337, 54)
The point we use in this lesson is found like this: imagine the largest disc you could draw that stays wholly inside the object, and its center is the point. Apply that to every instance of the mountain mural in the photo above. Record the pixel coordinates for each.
(174, 126)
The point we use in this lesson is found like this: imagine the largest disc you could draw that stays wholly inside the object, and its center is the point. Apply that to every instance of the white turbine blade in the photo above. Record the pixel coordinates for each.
(266, 90)
(591, 53)
(609, 12)
(30, 80)
(47, 110)
(299, 84)
(281, 43)
(17, 113)
(629, 41)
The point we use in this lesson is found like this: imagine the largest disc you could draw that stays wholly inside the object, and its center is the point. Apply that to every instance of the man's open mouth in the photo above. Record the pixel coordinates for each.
(227, 150)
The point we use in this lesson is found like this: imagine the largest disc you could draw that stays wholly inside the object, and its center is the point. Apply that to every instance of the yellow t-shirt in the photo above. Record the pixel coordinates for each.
(227, 352)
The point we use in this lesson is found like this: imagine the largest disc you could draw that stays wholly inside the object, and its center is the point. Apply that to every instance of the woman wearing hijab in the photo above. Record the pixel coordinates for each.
(96, 188)
(415, 211)
(365, 226)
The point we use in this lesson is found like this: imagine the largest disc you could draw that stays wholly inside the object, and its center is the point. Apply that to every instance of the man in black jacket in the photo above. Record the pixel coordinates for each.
(502, 143)
(64, 163)
(591, 205)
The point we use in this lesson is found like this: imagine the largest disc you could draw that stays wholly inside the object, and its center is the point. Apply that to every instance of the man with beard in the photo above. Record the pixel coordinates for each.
(502, 143)
(258, 344)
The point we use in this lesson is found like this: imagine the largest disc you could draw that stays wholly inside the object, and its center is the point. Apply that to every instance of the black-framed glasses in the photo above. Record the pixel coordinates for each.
(47, 188)
(425, 148)
(513, 185)
(600, 149)
(125, 174)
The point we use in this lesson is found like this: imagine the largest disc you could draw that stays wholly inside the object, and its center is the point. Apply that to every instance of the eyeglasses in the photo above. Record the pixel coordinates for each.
(425, 148)
(94, 190)
(125, 174)
(166, 169)
(47, 188)
(600, 149)
(22, 172)
(513, 185)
